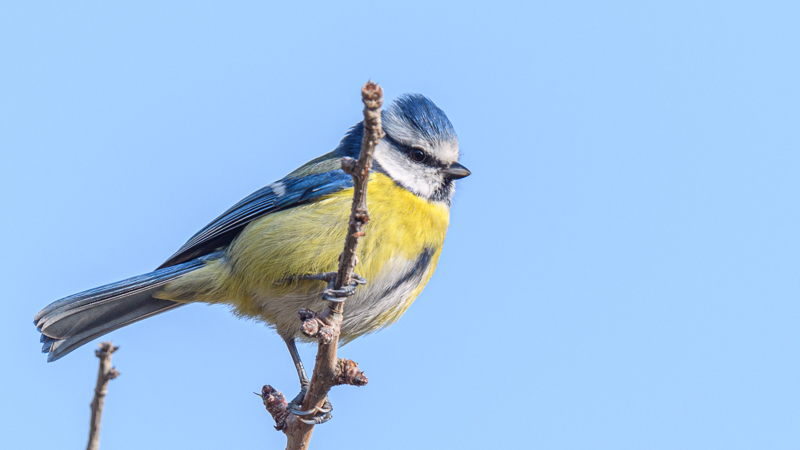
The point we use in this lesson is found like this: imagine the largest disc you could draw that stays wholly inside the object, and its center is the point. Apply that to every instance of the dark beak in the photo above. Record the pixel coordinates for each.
(456, 171)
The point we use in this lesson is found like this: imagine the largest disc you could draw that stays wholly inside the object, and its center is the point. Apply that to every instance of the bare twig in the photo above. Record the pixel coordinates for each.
(329, 370)
(104, 375)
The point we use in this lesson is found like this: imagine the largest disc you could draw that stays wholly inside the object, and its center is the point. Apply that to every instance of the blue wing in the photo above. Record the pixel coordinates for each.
(318, 178)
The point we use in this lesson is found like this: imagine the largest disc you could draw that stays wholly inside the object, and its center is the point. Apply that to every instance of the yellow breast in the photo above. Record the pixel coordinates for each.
(267, 257)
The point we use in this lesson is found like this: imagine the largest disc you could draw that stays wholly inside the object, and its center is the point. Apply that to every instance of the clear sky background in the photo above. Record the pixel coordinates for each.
(621, 269)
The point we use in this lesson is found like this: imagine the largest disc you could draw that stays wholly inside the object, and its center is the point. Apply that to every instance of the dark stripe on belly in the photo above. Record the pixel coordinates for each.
(422, 263)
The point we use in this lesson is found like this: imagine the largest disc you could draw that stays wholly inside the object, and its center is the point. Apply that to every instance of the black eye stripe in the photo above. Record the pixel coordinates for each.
(428, 159)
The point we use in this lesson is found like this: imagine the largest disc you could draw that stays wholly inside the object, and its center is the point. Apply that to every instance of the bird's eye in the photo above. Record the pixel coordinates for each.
(418, 155)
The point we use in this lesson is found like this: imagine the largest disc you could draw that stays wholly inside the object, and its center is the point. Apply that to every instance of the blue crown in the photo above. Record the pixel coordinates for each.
(418, 113)
(424, 116)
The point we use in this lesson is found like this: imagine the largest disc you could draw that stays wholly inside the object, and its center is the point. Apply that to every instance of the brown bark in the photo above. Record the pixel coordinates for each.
(105, 374)
(329, 370)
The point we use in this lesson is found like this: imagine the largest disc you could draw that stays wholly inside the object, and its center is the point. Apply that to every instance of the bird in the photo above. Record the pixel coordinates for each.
(257, 256)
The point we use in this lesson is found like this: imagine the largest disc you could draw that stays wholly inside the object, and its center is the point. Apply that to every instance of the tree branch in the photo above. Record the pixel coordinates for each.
(105, 374)
(329, 370)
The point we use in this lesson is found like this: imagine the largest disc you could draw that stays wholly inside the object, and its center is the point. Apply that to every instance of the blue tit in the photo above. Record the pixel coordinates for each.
(255, 255)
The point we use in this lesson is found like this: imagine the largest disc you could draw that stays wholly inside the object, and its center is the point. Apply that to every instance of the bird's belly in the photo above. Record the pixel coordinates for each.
(387, 295)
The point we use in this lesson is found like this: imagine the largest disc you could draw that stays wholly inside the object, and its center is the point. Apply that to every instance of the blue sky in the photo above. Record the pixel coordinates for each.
(621, 269)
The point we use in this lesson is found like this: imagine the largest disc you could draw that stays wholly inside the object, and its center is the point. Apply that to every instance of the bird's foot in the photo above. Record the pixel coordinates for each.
(337, 295)
(315, 416)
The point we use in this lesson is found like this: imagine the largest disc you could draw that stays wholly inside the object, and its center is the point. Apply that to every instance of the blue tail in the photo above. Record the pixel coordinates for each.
(68, 323)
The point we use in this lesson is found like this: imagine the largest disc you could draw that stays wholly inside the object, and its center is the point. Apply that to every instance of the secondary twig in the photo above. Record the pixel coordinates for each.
(329, 370)
(104, 375)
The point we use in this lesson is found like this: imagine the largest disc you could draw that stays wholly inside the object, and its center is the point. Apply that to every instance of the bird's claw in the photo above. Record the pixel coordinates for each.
(316, 420)
(337, 295)
(318, 414)
(357, 279)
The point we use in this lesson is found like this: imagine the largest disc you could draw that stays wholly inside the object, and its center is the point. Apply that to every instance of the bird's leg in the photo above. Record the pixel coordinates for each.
(322, 414)
(318, 415)
(301, 371)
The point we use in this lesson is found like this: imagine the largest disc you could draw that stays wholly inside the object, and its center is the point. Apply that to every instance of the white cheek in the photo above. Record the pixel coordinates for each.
(421, 180)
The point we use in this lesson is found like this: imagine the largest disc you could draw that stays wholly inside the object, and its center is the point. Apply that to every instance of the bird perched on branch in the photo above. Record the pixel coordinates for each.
(258, 255)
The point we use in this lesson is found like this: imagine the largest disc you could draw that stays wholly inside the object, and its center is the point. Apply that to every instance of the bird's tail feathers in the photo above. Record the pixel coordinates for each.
(68, 323)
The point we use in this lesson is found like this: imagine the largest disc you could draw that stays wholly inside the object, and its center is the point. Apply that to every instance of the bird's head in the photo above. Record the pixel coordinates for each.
(420, 149)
